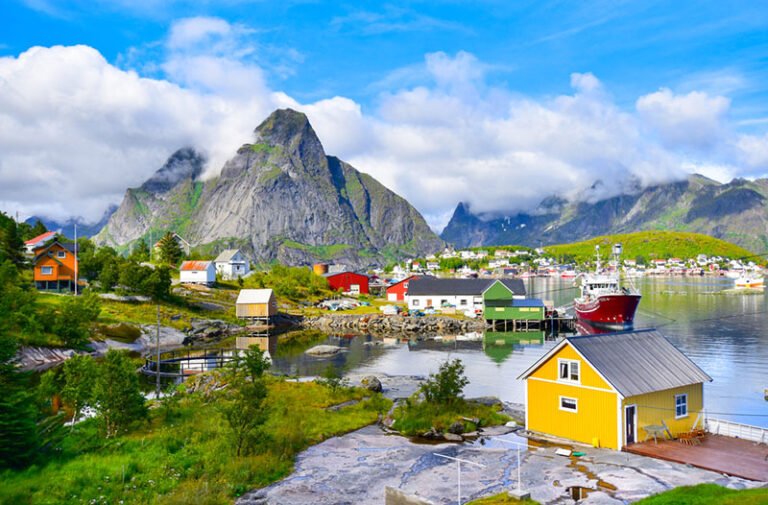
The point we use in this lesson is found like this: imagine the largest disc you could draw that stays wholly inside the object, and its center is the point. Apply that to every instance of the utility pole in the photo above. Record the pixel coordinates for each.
(76, 259)
(157, 349)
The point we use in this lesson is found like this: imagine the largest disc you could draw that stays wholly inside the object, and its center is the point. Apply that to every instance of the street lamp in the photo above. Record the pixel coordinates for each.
(458, 468)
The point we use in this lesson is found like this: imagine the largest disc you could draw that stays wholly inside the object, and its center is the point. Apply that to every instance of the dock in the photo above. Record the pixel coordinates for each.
(732, 456)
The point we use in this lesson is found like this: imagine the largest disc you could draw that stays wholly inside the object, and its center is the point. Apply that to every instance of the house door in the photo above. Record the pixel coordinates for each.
(429, 302)
(630, 422)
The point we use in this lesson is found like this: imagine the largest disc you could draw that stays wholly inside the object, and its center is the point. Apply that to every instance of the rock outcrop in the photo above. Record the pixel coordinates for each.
(388, 325)
(280, 197)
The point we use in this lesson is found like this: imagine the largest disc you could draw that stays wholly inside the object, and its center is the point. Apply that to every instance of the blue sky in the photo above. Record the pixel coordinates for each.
(654, 69)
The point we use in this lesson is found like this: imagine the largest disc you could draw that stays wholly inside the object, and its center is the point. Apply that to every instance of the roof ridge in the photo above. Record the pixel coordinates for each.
(620, 332)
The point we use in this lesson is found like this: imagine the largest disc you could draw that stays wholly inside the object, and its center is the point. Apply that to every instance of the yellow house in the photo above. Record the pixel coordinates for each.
(613, 389)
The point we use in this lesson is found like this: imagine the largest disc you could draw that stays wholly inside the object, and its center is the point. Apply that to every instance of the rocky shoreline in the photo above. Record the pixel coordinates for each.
(382, 324)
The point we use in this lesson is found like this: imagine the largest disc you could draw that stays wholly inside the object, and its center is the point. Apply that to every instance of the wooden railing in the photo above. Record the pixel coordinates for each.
(736, 430)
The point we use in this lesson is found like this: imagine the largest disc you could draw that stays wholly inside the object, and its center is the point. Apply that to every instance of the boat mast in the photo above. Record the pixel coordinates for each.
(597, 263)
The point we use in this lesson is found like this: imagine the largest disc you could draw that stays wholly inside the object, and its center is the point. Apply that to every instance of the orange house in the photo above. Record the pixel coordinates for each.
(55, 266)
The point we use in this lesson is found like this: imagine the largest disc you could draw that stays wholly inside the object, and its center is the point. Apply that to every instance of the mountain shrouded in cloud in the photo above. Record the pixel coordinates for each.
(77, 130)
(279, 197)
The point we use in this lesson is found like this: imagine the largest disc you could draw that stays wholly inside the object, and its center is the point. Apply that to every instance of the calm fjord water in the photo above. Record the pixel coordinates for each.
(726, 335)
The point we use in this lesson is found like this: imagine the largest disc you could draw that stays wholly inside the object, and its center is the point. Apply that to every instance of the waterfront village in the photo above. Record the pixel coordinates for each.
(626, 404)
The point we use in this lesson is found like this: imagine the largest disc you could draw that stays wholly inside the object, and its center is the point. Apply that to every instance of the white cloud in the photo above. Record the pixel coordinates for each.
(75, 131)
(694, 120)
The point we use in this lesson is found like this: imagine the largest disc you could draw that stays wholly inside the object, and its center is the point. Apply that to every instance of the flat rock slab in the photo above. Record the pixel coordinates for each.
(323, 350)
(357, 467)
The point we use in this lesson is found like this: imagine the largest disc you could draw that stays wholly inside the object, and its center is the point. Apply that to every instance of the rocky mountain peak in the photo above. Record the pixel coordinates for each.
(186, 163)
(287, 128)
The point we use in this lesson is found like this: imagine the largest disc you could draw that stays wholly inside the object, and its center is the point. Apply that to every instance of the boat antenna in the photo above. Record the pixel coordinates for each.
(597, 263)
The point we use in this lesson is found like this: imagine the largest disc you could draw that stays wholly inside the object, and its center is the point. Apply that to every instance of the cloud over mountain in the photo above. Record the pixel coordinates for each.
(77, 130)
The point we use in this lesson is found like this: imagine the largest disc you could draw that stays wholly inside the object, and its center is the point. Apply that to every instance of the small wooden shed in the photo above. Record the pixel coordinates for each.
(256, 304)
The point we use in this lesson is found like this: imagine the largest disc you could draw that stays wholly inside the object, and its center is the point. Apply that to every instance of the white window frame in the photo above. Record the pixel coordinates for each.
(46, 270)
(684, 404)
(415, 302)
(61, 254)
(569, 363)
(575, 401)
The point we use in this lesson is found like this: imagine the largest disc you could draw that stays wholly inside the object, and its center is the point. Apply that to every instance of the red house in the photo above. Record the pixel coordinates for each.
(348, 282)
(397, 291)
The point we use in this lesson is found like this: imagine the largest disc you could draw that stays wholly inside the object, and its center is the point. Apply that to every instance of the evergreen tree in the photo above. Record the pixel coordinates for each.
(140, 251)
(117, 395)
(36, 230)
(18, 428)
(170, 250)
(11, 243)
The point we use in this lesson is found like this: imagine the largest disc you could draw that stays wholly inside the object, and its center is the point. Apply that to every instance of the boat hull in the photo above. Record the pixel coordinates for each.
(608, 311)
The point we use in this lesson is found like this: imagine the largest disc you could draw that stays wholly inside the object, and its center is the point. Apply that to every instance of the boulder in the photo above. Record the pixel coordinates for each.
(451, 437)
(372, 383)
(456, 428)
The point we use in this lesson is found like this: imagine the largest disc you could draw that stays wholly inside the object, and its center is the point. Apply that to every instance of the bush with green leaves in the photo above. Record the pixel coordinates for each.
(73, 320)
(241, 403)
(116, 394)
(447, 385)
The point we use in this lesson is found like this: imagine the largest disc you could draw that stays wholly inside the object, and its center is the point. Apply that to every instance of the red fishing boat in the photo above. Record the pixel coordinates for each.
(603, 302)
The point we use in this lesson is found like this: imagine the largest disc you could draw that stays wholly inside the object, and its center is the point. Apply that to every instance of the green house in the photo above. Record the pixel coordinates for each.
(499, 304)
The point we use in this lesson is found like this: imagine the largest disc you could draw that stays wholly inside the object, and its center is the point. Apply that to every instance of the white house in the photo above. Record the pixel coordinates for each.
(460, 293)
(232, 264)
(39, 241)
(197, 272)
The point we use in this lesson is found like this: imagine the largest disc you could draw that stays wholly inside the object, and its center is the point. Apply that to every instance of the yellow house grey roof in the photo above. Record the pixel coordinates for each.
(634, 362)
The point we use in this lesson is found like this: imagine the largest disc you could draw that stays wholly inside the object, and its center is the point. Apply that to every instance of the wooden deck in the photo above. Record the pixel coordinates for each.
(731, 456)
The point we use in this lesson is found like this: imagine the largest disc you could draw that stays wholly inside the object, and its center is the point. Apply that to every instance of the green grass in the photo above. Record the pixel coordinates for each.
(415, 418)
(182, 455)
(651, 245)
(707, 494)
(500, 499)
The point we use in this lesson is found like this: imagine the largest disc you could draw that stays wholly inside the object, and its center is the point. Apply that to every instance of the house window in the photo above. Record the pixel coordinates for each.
(569, 370)
(61, 254)
(681, 406)
(569, 404)
(46, 270)
(463, 302)
(416, 302)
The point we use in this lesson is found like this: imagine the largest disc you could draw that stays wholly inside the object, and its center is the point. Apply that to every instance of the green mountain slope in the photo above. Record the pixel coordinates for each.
(652, 245)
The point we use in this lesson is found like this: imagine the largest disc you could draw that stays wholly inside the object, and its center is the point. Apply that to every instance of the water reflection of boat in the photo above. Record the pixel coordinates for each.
(750, 282)
(584, 328)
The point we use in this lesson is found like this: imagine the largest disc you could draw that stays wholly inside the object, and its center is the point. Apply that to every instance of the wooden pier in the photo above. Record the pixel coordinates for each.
(558, 324)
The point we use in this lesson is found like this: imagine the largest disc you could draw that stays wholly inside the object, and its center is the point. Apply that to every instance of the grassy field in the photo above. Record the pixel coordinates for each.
(500, 499)
(182, 455)
(652, 245)
(707, 494)
(702, 494)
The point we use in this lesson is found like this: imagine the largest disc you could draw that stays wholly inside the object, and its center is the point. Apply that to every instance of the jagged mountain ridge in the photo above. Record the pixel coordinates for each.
(280, 197)
(735, 212)
(67, 228)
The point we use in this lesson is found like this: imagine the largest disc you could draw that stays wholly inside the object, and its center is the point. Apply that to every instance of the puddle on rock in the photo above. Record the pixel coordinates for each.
(578, 492)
